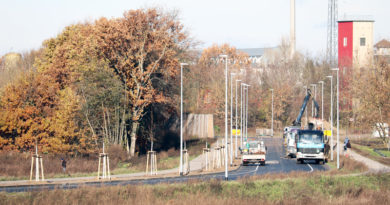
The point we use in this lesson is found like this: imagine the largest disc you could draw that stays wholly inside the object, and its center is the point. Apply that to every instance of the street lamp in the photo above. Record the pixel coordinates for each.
(322, 103)
(236, 116)
(246, 114)
(181, 117)
(242, 114)
(338, 119)
(331, 116)
(272, 110)
(226, 107)
(231, 117)
(312, 102)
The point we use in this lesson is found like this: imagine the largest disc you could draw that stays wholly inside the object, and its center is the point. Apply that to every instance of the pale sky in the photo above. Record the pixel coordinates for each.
(25, 24)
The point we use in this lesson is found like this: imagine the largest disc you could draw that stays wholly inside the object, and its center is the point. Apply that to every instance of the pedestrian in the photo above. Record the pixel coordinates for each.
(63, 164)
(347, 145)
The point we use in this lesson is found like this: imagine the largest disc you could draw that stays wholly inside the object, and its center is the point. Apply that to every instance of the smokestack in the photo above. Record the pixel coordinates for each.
(292, 27)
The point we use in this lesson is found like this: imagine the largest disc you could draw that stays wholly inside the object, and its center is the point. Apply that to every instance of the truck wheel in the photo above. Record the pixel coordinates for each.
(299, 161)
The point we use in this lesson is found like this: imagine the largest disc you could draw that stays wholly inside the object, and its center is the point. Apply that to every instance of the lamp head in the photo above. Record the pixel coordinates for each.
(183, 64)
(223, 56)
(329, 76)
(335, 69)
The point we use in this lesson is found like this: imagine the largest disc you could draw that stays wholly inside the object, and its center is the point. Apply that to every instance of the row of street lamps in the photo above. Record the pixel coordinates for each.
(331, 112)
(244, 116)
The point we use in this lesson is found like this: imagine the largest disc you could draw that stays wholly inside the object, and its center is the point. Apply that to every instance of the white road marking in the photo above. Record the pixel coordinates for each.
(310, 168)
(241, 173)
(272, 162)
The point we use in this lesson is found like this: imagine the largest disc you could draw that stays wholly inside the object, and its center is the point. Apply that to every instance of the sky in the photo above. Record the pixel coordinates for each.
(25, 24)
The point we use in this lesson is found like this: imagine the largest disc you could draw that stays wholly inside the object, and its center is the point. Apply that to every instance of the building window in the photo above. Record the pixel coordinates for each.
(362, 41)
(345, 42)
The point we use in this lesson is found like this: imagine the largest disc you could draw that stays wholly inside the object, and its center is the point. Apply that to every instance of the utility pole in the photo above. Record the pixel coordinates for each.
(226, 113)
(331, 116)
(181, 117)
(242, 115)
(246, 115)
(338, 119)
(322, 104)
(236, 119)
(231, 118)
(272, 110)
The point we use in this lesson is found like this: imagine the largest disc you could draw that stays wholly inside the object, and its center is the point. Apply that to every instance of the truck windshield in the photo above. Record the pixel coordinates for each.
(310, 138)
(253, 145)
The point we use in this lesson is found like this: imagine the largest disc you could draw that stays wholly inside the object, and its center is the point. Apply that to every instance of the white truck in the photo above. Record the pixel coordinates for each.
(254, 152)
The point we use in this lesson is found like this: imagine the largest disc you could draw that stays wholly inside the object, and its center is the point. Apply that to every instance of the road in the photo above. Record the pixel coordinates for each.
(276, 163)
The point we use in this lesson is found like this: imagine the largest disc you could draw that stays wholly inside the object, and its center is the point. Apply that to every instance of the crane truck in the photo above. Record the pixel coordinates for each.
(309, 143)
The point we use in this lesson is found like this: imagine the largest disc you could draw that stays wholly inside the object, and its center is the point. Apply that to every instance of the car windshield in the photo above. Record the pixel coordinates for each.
(310, 138)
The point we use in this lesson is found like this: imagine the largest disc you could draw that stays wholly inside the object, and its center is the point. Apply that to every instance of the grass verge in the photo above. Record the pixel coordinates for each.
(271, 189)
(370, 153)
(16, 166)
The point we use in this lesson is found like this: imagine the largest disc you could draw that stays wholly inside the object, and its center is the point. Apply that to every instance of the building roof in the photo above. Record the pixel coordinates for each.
(356, 18)
(254, 52)
(382, 44)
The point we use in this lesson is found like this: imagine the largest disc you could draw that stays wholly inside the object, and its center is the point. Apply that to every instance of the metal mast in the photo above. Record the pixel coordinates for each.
(331, 49)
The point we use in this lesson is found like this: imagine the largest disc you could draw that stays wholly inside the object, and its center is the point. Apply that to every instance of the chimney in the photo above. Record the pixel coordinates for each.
(292, 27)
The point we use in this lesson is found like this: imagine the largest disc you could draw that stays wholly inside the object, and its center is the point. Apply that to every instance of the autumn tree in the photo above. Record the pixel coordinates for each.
(371, 98)
(137, 46)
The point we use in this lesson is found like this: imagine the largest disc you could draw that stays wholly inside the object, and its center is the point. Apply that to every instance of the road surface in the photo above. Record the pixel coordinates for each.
(276, 163)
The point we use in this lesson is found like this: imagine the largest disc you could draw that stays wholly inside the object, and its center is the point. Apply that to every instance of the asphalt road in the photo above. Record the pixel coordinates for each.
(276, 163)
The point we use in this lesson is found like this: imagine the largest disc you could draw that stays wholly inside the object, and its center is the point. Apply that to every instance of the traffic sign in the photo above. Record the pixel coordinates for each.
(234, 132)
(328, 133)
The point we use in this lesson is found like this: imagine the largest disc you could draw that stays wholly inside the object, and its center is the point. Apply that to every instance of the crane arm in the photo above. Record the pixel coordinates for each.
(297, 122)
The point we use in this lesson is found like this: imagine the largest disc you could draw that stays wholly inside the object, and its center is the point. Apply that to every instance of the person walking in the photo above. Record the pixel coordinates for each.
(63, 164)
(347, 144)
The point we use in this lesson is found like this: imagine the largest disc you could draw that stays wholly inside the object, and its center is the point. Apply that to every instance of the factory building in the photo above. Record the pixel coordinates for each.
(355, 52)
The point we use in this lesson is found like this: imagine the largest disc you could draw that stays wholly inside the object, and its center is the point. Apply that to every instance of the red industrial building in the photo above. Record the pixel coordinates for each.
(355, 51)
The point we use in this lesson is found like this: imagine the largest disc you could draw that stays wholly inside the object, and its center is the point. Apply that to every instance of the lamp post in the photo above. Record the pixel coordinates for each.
(181, 117)
(231, 117)
(246, 115)
(272, 110)
(338, 119)
(322, 103)
(312, 102)
(226, 109)
(331, 116)
(242, 114)
(236, 119)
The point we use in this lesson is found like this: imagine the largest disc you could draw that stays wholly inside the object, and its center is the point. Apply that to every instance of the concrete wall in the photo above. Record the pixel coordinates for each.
(363, 55)
(199, 125)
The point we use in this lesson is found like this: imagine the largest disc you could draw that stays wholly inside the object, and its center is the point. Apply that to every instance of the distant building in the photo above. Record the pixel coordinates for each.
(382, 51)
(10, 61)
(257, 55)
(355, 51)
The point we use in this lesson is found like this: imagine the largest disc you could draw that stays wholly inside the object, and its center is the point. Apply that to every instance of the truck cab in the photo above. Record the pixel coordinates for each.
(291, 139)
(254, 152)
(310, 146)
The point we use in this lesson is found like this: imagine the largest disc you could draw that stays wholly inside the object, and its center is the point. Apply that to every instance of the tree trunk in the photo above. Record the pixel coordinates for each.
(133, 133)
